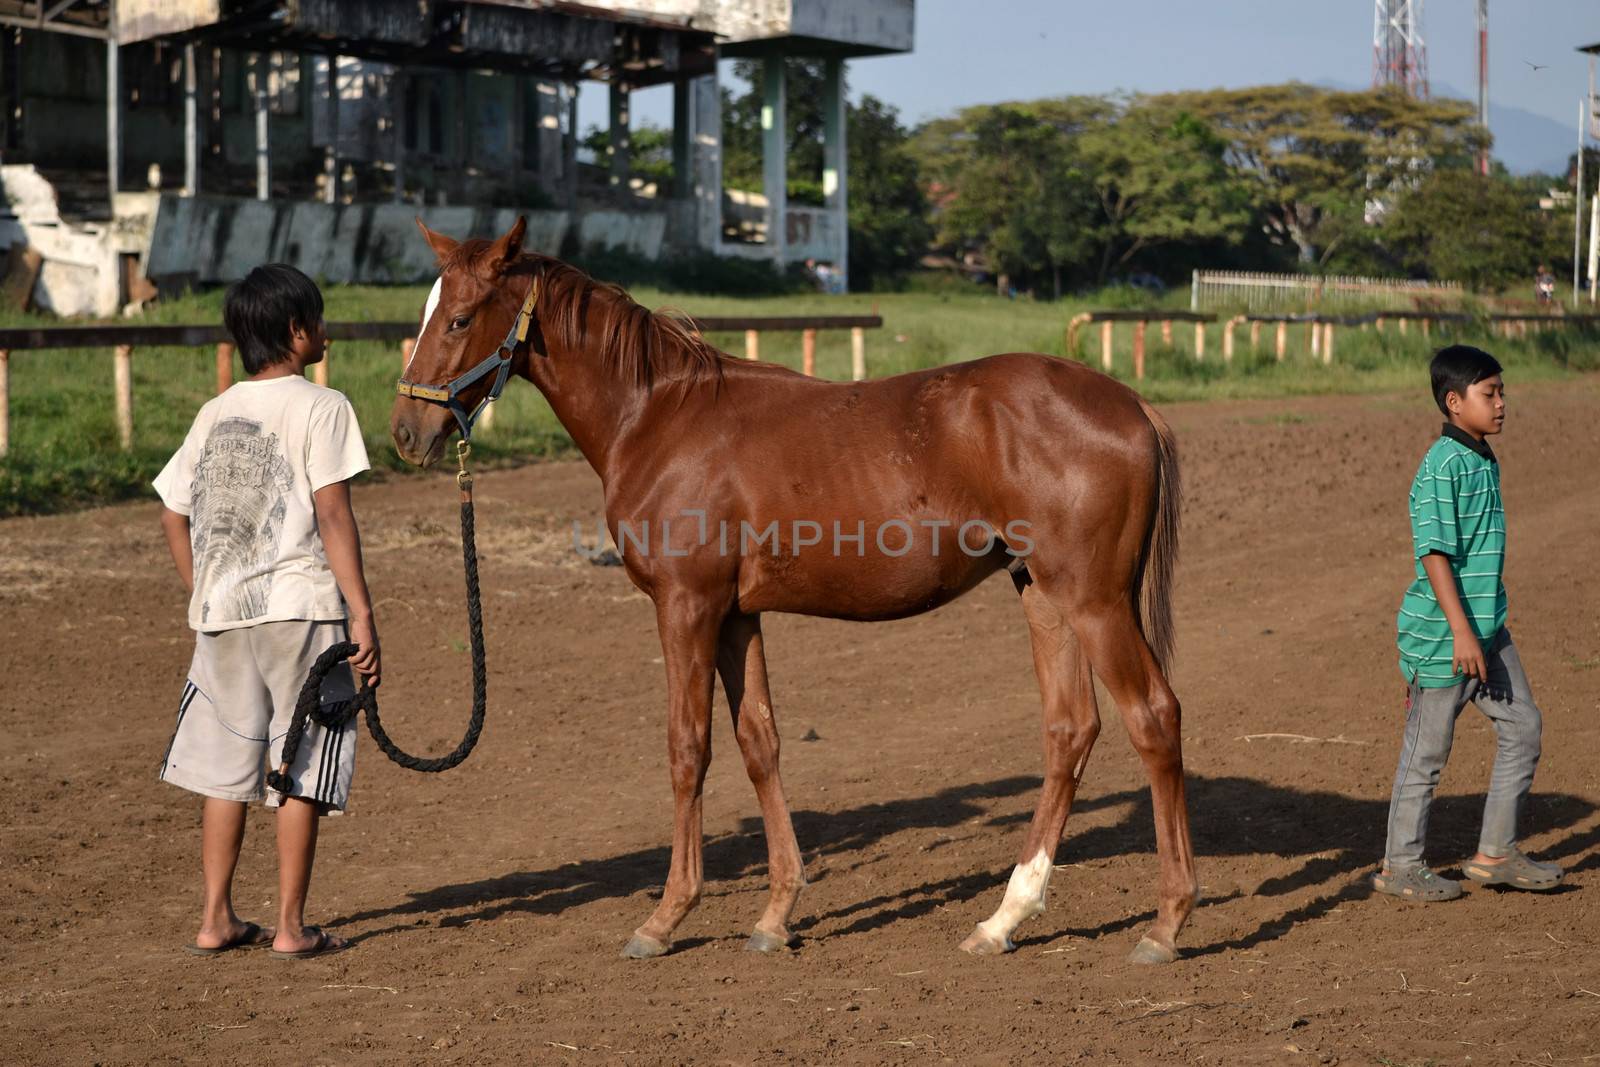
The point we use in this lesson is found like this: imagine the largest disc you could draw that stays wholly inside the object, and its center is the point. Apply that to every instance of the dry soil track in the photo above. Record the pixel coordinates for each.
(488, 905)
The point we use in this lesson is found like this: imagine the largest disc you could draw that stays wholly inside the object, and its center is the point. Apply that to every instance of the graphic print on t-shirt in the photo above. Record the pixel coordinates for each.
(238, 505)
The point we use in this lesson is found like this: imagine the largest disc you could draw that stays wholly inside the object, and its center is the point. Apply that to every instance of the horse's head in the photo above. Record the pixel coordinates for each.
(472, 308)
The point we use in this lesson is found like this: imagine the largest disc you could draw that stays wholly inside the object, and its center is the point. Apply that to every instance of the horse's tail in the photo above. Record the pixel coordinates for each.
(1161, 546)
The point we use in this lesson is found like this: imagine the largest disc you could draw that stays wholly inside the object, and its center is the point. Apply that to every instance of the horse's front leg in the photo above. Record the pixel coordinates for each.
(689, 647)
(743, 665)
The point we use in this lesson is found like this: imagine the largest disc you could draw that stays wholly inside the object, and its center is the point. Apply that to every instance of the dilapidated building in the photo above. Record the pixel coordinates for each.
(184, 140)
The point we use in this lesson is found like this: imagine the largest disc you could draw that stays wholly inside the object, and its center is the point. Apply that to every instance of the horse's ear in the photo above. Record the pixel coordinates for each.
(442, 246)
(504, 251)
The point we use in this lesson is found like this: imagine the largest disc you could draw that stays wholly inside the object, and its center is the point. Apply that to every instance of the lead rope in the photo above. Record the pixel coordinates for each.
(334, 715)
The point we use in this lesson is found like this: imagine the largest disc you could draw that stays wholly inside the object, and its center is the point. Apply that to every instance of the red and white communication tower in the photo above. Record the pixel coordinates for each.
(1398, 55)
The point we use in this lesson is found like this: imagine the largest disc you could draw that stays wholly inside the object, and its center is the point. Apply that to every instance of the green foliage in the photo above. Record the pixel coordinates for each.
(1161, 179)
(649, 151)
(1314, 154)
(1480, 230)
(1015, 185)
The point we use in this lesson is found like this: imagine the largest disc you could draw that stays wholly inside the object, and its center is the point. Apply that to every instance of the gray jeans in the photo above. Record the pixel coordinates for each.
(1430, 727)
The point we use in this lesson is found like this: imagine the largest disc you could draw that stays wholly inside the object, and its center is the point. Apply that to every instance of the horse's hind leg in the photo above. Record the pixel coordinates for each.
(688, 645)
(742, 662)
(1124, 662)
(1071, 724)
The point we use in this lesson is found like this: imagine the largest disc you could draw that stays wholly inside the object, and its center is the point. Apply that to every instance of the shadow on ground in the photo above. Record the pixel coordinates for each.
(1339, 838)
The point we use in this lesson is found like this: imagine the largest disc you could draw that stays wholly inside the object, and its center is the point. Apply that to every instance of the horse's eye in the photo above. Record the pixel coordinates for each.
(461, 322)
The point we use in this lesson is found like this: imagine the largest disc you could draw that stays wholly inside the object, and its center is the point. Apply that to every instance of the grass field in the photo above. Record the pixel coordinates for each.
(64, 450)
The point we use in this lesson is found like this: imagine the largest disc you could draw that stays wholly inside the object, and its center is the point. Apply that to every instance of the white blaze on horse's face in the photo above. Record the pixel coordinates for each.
(427, 316)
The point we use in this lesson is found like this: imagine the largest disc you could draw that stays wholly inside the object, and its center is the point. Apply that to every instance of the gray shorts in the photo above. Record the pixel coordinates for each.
(236, 708)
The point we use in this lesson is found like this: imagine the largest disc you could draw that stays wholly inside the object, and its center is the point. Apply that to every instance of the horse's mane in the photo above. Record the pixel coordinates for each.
(643, 344)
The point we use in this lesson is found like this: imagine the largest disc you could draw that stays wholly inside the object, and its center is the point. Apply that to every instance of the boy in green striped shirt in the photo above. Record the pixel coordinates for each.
(1454, 645)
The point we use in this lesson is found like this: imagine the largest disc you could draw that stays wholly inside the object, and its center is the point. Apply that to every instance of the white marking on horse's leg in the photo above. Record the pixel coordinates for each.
(427, 314)
(1023, 900)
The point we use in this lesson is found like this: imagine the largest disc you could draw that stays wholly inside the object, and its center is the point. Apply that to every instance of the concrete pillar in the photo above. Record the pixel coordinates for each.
(835, 162)
(774, 156)
(618, 143)
(113, 112)
(569, 148)
(258, 79)
(191, 124)
(706, 153)
(330, 158)
(399, 96)
(682, 131)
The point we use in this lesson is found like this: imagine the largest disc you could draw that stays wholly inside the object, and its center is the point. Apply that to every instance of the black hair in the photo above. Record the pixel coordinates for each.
(262, 309)
(1457, 368)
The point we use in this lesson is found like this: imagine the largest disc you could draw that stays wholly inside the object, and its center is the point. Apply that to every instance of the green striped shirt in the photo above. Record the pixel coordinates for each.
(1455, 510)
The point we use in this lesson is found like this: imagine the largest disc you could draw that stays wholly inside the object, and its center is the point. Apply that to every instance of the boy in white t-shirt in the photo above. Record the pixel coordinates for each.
(257, 514)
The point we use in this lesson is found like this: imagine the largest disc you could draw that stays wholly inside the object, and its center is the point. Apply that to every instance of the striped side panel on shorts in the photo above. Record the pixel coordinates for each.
(189, 691)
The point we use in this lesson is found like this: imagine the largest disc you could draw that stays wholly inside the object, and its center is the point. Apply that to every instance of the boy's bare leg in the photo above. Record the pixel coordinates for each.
(221, 834)
(298, 820)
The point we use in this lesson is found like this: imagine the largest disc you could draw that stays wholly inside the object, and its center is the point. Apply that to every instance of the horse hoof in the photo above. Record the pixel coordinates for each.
(643, 947)
(979, 943)
(1152, 952)
(761, 941)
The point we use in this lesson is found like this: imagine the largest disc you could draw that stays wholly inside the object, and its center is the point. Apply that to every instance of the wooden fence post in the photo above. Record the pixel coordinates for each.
(752, 344)
(1199, 340)
(1327, 342)
(319, 370)
(1105, 346)
(1379, 324)
(407, 346)
(808, 353)
(1166, 332)
(224, 366)
(1314, 336)
(1403, 323)
(1138, 348)
(1073, 325)
(858, 354)
(122, 363)
(1283, 338)
(1427, 327)
(1255, 337)
(5, 402)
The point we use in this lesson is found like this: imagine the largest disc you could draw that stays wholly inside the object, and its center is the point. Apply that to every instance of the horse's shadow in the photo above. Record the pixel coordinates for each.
(1339, 839)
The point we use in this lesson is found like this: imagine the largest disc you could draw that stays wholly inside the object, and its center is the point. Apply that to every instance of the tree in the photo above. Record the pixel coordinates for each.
(1315, 155)
(1013, 185)
(649, 151)
(889, 229)
(1458, 225)
(1161, 179)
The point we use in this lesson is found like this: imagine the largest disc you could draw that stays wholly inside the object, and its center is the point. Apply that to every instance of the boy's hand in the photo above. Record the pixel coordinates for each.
(367, 661)
(1467, 656)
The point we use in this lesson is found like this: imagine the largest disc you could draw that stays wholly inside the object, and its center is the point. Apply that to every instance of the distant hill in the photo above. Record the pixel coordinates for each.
(1525, 142)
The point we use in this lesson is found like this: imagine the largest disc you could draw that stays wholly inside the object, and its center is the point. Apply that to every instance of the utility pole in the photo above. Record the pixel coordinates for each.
(1483, 81)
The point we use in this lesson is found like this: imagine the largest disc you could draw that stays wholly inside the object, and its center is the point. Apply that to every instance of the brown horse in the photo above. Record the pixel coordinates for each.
(736, 488)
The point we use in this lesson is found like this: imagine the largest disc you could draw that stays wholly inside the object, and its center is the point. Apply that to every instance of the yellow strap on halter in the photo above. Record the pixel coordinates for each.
(525, 316)
(421, 392)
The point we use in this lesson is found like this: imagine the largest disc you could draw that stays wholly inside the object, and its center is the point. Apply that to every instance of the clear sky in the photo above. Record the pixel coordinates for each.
(985, 51)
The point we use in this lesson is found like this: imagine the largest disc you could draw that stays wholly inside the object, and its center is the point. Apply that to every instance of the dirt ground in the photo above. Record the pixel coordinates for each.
(487, 906)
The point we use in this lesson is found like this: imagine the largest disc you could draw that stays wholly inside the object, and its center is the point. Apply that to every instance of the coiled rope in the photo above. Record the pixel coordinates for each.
(334, 715)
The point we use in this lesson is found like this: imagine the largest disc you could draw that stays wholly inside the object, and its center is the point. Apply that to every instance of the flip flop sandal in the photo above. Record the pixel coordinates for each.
(324, 946)
(1416, 883)
(252, 936)
(1516, 871)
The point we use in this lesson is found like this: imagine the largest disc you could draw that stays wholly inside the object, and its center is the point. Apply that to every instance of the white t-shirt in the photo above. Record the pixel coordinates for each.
(244, 476)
